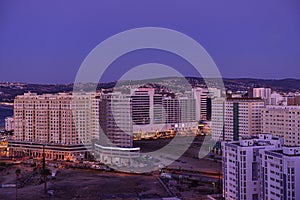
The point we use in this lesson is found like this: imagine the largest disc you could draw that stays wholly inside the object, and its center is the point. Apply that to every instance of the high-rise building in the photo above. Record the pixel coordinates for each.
(241, 166)
(9, 123)
(234, 118)
(115, 145)
(61, 122)
(187, 109)
(218, 119)
(171, 110)
(142, 106)
(116, 119)
(154, 112)
(282, 121)
(263, 93)
(158, 110)
(279, 173)
(44, 119)
(242, 117)
(148, 112)
(201, 96)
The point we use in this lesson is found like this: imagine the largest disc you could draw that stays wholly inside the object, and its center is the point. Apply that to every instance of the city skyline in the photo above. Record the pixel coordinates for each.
(48, 48)
(150, 100)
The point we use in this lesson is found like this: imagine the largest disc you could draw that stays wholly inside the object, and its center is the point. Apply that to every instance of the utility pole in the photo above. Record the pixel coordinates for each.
(44, 170)
(18, 171)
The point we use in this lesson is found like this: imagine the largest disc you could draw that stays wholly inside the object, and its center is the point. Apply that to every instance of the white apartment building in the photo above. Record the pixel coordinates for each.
(234, 118)
(277, 99)
(282, 121)
(218, 119)
(115, 145)
(116, 120)
(9, 123)
(201, 95)
(187, 107)
(280, 172)
(264, 93)
(240, 166)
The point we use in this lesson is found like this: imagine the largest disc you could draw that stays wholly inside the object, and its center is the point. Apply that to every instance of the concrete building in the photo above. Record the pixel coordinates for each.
(297, 99)
(242, 117)
(37, 119)
(116, 119)
(115, 145)
(9, 123)
(218, 119)
(282, 121)
(234, 118)
(155, 113)
(142, 106)
(240, 166)
(187, 107)
(171, 110)
(263, 93)
(201, 97)
(277, 99)
(280, 172)
(58, 121)
(116, 155)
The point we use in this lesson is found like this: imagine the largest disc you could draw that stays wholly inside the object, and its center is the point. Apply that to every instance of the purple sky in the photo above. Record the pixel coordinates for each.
(46, 42)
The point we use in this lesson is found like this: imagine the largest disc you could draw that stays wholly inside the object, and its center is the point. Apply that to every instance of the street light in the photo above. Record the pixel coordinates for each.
(214, 187)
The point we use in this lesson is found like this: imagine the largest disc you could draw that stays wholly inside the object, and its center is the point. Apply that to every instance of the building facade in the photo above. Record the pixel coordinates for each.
(9, 123)
(116, 120)
(235, 118)
(53, 120)
(280, 170)
(154, 113)
(263, 93)
(282, 121)
(218, 119)
(115, 145)
(240, 166)
(201, 96)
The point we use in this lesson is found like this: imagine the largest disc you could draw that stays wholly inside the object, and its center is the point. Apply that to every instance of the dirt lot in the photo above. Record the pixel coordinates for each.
(92, 184)
(84, 184)
(189, 160)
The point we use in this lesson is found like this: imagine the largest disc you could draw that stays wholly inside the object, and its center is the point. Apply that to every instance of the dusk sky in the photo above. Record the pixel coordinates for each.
(46, 41)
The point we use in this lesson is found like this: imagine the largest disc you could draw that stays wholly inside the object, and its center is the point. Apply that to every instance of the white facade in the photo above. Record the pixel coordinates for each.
(218, 118)
(116, 120)
(116, 155)
(280, 172)
(264, 93)
(282, 121)
(240, 167)
(201, 95)
(9, 123)
(276, 99)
